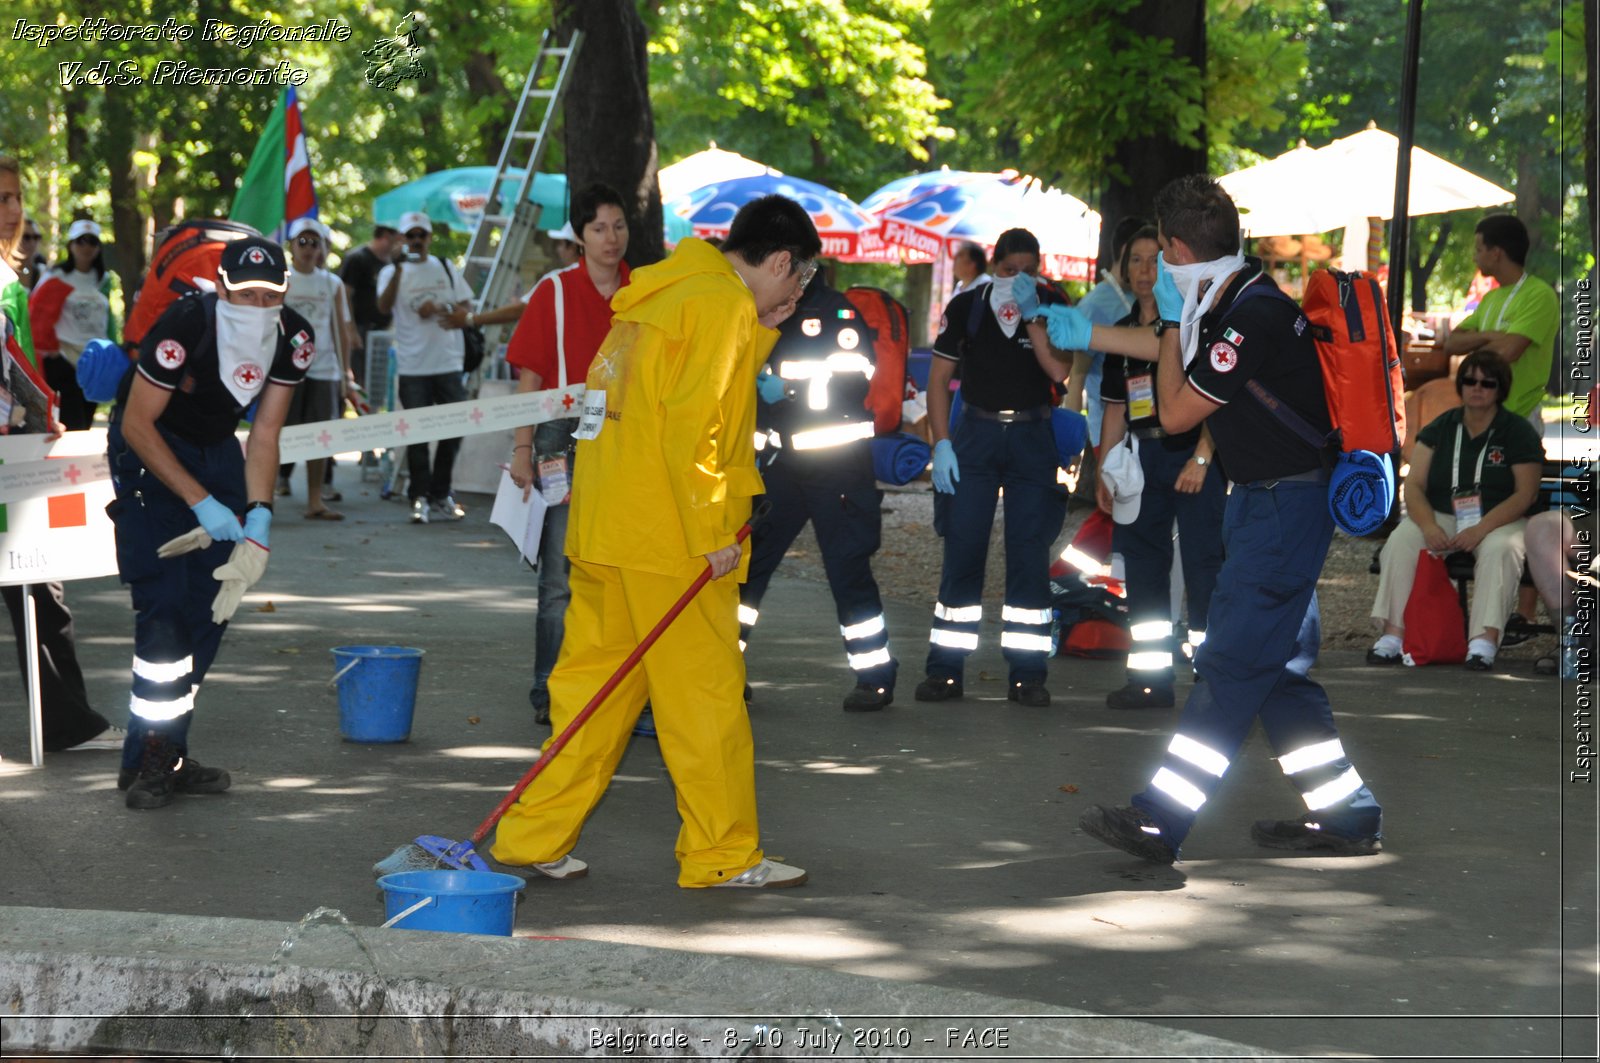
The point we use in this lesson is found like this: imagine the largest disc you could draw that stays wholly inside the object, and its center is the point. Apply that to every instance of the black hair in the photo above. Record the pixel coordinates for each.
(586, 206)
(1013, 240)
(765, 226)
(970, 250)
(1506, 232)
(1125, 232)
(384, 230)
(68, 263)
(1489, 364)
(1196, 210)
(1145, 231)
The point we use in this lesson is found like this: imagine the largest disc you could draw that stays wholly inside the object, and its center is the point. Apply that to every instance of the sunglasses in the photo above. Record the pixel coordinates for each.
(92, 241)
(308, 241)
(1480, 382)
(30, 237)
(418, 234)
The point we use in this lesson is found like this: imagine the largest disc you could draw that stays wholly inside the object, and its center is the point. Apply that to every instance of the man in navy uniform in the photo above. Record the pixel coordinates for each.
(210, 360)
(814, 435)
(1227, 333)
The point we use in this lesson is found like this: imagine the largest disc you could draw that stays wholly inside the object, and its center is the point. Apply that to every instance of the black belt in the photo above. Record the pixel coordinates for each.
(1312, 476)
(1153, 432)
(1038, 413)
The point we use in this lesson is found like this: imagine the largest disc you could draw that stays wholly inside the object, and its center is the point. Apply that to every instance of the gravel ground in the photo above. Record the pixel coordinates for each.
(907, 569)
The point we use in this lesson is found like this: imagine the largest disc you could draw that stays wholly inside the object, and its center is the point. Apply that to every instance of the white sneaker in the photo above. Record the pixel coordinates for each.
(419, 511)
(110, 738)
(448, 509)
(565, 868)
(767, 875)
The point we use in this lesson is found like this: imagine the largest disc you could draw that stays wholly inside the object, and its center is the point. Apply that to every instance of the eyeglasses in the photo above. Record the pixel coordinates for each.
(807, 270)
(1480, 382)
(308, 241)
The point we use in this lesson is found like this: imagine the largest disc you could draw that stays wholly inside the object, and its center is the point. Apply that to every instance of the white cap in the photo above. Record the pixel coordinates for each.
(82, 227)
(414, 219)
(563, 233)
(300, 225)
(1123, 476)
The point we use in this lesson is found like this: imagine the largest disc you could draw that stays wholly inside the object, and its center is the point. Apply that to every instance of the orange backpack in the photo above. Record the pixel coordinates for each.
(887, 317)
(185, 251)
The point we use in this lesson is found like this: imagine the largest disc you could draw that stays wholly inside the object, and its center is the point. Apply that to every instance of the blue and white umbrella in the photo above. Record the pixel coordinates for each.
(847, 231)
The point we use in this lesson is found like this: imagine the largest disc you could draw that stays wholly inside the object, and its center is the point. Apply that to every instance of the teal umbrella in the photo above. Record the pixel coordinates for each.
(457, 197)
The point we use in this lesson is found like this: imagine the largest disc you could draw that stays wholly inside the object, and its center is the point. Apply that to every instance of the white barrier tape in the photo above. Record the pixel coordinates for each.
(34, 468)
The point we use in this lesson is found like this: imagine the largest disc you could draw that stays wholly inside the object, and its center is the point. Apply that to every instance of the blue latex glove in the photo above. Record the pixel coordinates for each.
(1025, 290)
(1169, 300)
(945, 470)
(1069, 329)
(257, 523)
(770, 387)
(218, 520)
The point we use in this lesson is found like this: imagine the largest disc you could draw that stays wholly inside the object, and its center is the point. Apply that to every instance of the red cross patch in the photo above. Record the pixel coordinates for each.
(170, 354)
(255, 256)
(303, 354)
(1009, 314)
(248, 376)
(1497, 455)
(1224, 357)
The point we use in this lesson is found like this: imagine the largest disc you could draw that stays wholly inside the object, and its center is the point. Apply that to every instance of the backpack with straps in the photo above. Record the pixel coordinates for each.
(185, 252)
(891, 323)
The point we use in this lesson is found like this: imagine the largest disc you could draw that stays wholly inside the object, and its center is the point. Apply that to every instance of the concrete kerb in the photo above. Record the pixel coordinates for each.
(92, 981)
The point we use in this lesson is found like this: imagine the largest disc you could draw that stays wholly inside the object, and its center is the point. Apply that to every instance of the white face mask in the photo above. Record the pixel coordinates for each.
(247, 338)
(1190, 279)
(1003, 301)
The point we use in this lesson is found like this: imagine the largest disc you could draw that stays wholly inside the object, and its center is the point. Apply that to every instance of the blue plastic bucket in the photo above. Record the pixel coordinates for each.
(460, 902)
(377, 691)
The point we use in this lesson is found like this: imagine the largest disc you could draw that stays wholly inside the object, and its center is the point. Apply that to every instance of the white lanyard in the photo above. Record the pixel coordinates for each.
(1500, 319)
(1455, 466)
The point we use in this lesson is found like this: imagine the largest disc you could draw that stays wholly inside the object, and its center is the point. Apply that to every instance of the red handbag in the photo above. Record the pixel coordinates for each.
(1436, 629)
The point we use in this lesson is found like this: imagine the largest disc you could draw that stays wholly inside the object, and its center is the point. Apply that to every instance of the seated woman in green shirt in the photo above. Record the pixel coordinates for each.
(1474, 473)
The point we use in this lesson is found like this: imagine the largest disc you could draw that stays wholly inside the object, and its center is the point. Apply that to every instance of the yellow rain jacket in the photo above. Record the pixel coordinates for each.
(670, 477)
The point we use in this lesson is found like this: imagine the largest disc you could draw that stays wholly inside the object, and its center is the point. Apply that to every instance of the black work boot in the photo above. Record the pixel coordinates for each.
(1029, 692)
(868, 697)
(1138, 696)
(939, 688)
(162, 772)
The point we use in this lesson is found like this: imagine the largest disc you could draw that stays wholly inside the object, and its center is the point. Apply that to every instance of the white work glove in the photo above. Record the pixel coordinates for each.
(186, 543)
(245, 567)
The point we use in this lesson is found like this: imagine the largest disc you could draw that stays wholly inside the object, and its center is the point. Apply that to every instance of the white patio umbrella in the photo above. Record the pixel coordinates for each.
(706, 167)
(1306, 191)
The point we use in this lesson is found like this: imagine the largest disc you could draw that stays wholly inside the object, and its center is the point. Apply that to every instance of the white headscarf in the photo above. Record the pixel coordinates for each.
(1189, 280)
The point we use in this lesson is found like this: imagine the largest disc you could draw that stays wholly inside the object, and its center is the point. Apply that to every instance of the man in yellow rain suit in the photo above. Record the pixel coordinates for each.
(665, 474)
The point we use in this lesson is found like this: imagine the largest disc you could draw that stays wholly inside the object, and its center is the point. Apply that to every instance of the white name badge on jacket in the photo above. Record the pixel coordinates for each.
(593, 417)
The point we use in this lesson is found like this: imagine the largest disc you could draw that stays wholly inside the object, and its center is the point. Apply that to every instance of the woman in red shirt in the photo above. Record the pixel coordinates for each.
(567, 316)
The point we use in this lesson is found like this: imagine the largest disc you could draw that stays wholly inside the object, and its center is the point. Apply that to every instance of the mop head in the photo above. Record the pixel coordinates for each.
(430, 853)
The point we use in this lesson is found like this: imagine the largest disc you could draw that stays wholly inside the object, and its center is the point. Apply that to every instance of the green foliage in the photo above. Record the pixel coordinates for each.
(832, 91)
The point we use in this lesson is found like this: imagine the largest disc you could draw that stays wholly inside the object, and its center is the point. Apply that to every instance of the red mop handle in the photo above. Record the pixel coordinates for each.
(600, 696)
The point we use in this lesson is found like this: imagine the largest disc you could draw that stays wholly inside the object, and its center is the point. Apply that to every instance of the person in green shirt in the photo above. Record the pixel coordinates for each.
(1517, 321)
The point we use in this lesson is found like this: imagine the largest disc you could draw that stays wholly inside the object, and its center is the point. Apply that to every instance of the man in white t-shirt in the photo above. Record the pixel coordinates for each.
(319, 297)
(422, 291)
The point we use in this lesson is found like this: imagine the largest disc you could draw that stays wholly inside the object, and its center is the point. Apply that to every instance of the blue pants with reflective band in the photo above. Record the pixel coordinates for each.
(1020, 458)
(836, 490)
(1261, 640)
(171, 597)
(1146, 549)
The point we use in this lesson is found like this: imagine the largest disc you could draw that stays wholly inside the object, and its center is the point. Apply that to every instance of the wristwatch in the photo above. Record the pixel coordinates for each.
(1198, 460)
(1164, 324)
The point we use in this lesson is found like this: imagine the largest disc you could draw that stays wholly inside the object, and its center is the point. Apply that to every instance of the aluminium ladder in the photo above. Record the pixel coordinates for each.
(499, 240)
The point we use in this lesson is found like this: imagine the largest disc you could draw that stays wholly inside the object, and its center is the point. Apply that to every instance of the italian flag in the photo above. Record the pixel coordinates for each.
(277, 187)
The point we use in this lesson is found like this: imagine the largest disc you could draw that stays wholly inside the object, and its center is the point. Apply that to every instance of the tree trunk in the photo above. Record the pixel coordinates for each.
(127, 223)
(1149, 162)
(1421, 270)
(609, 127)
(484, 81)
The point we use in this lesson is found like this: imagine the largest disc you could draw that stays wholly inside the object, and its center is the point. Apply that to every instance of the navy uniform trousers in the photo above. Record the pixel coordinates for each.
(1019, 457)
(834, 489)
(174, 640)
(1261, 640)
(1146, 549)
